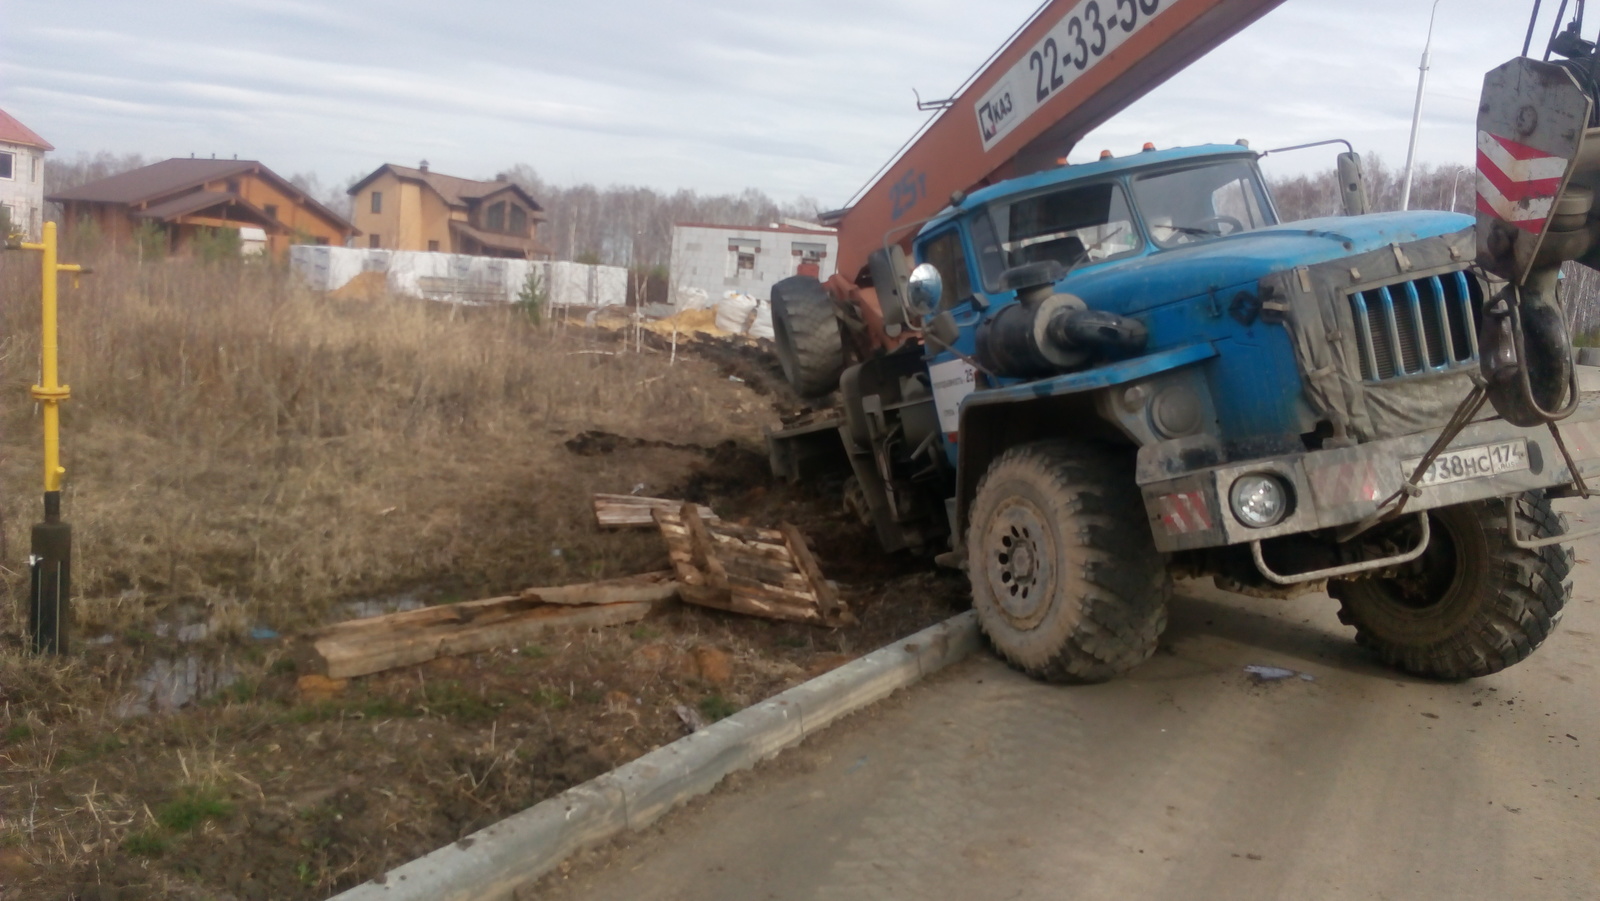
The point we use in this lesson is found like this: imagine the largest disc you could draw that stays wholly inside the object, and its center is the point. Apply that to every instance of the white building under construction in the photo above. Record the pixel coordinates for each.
(747, 259)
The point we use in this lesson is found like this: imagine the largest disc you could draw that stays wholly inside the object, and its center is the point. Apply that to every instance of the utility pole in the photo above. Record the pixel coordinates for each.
(1416, 113)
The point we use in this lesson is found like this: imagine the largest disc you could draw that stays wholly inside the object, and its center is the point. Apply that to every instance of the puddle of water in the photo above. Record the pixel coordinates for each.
(378, 606)
(174, 682)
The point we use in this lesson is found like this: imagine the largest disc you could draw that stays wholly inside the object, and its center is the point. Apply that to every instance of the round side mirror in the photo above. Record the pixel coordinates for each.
(926, 288)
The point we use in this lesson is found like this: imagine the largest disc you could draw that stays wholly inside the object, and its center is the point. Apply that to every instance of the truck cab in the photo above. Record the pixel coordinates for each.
(1136, 353)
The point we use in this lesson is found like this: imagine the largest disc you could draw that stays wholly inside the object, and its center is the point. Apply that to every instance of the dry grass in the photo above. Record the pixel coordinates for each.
(244, 452)
(236, 441)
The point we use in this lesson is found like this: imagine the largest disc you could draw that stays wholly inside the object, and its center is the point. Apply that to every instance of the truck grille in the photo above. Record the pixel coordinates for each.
(1425, 325)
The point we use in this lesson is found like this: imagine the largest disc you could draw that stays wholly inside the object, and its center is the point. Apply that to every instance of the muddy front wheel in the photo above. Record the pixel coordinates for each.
(1066, 580)
(1473, 603)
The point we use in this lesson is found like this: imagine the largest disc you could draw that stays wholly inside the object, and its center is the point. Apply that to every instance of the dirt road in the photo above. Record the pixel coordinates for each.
(1190, 779)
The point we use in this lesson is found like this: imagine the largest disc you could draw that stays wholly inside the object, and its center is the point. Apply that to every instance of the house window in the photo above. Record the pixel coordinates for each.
(519, 220)
(497, 217)
(742, 257)
(233, 186)
(372, 240)
(321, 242)
(7, 161)
(433, 246)
(271, 210)
(377, 203)
(35, 168)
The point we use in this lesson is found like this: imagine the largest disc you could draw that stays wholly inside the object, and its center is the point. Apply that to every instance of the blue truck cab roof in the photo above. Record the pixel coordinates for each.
(1109, 166)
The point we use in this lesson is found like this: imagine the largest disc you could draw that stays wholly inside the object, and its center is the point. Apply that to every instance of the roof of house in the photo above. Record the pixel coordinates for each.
(497, 240)
(456, 191)
(239, 209)
(155, 183)
(14, 132)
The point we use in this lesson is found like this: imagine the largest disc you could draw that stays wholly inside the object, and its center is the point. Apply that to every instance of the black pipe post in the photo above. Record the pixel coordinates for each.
(50, 571)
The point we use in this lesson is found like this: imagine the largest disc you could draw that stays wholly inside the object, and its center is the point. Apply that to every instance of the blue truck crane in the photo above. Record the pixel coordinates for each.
(1086, 380)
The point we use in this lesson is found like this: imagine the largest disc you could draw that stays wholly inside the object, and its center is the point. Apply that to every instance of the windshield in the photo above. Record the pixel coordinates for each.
(1202, 202)
(1075, 226)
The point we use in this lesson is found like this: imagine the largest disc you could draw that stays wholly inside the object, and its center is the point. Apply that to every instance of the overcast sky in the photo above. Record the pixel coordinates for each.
(793, 98)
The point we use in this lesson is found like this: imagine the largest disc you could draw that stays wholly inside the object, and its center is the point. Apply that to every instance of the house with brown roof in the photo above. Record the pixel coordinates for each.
(21, 177)
(401, 208)
(183, 196)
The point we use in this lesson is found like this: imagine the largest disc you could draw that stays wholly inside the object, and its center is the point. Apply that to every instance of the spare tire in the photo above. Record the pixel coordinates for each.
(806, 334)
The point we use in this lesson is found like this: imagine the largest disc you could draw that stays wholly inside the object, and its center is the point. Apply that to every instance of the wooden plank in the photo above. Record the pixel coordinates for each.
(759, 570)
(748, 533)
(680, 551)
(769, 610)
(778, 552)
(774, 593)
(706, 596)
(346, 655)
(833, 607)
(653, 587)
(621, 511)
(704, 556)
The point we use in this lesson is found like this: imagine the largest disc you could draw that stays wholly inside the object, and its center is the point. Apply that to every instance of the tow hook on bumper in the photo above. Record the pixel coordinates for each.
(1334, 572)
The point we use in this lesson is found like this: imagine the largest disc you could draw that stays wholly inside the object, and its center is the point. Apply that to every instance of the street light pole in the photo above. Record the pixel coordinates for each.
(1416, 113)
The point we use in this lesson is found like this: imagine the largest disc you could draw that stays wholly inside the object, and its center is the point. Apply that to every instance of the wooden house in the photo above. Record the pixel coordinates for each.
(401, 208)
(182, 196)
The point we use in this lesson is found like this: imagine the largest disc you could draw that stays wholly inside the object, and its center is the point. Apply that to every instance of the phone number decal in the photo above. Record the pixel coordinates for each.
(1082, 38)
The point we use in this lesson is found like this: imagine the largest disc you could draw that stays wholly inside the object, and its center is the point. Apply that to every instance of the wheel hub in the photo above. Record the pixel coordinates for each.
(1018, 563)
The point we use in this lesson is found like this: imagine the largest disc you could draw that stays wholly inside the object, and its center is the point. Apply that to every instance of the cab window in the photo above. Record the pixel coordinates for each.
(1203, 202)
(950, 258)
(1074, 227)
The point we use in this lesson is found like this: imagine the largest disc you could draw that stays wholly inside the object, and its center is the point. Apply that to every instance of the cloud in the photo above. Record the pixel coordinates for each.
(716, 95)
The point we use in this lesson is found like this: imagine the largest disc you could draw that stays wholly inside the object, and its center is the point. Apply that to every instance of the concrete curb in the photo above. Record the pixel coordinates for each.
(500, 862)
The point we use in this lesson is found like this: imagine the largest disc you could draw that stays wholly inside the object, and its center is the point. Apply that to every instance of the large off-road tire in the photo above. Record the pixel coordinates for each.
(1473, 603)
(806, 335)
(1066, 580)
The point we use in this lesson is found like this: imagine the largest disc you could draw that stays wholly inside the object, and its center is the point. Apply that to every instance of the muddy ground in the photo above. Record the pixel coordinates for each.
(149, 766)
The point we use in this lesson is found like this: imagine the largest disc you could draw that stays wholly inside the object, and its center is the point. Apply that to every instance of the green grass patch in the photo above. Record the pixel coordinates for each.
(146, 843)
(452, 700)
(545, 696)
(19, 732)
(242, 691)
(194, 807)
(283, 666)
(716, 707)
(644, 633)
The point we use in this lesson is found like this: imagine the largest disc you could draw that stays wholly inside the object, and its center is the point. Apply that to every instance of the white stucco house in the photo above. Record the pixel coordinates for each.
(748, 259)
(22, 176)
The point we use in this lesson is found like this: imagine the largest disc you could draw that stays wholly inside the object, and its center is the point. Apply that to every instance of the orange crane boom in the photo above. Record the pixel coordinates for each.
(1073, 66)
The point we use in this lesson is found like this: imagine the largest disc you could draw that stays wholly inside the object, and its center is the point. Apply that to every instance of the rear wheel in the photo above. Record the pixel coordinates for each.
(806, 335)
(1065, 578)
(1473, 603)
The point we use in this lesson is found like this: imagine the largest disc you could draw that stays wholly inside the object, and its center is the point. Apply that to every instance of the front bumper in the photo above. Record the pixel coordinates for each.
(1343, 486)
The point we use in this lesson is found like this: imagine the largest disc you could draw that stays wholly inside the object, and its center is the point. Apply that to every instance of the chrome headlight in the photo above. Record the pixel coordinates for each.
(1259, 500)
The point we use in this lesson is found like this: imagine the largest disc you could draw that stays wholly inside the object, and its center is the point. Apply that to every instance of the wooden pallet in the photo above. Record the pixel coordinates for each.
(626, 511)
(760, 572)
